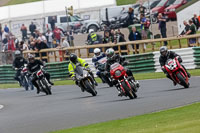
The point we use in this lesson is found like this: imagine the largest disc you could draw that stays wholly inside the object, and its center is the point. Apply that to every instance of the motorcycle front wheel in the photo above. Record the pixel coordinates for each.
(182, 80)
(47, 89)
(127, 90)
(90, 88)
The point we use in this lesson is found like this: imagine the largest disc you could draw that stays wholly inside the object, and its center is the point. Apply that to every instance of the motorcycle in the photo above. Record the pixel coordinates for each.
(25, 79)
(119, 22)
(124, 84)
(177, 72)
(85, 80)
(104, 75)
(42, 82)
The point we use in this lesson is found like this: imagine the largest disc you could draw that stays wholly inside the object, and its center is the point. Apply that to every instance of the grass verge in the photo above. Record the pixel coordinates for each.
(126, 2)
(179, 120)
(14, 2)
(139, 76)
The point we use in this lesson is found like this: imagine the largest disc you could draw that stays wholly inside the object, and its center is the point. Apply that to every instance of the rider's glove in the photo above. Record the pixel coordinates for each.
(74, 78)
(25, 65)
(16, 68)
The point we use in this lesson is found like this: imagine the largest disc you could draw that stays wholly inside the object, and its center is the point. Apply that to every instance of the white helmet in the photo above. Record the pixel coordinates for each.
(97, 52)
(110, 52)
(91, 30)
(17, 53)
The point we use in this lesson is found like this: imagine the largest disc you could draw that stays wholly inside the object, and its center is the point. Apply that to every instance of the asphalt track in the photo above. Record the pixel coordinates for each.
(26, 112)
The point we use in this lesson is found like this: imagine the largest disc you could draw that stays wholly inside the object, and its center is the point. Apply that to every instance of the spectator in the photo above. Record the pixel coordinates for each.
(41, 45)
(57, 34)
(199, 18)
(53, 21)
(186, 29)
(143, 22)
(93, 38)
(23, 46)
(42, 38)
(24, 32)
(32, 28)
(107, 38)
(0, 32)
(133, 36)
(6, 29)
(142, 9)
(70, 37)
(16, 41)
(162, 27)
(123, 10)
(120, 38)
(191, 31)
(196, 21)
(32, 45)
(131, 16)
(49, 36)
(112, 35)
(65, 43)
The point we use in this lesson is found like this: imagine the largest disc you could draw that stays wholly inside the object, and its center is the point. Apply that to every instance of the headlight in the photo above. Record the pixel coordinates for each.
(85, 75)
(118, 73)
(172, 10)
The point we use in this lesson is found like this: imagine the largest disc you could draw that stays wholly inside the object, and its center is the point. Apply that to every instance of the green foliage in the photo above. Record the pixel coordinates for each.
(14, 2)
(126, 2)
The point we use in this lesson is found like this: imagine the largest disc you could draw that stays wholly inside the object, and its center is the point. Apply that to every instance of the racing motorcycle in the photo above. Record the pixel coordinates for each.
(124, 84)
(85, 80)
(177, 72)
(104, 75)
(25, 79)
(42, 82)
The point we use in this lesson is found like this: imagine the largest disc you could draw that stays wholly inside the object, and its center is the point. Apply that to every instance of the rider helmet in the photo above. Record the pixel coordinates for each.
(97, 52)
(164, 51)
(73, 58)
(110, 52)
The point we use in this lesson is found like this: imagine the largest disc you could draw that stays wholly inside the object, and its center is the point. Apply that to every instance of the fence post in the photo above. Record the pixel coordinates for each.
(179, 42)
(79, 52)
(119, 49)
(153, 48)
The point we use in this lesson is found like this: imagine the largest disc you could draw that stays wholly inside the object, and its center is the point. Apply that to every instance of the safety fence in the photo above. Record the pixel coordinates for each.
(145, 46)
(197, 57)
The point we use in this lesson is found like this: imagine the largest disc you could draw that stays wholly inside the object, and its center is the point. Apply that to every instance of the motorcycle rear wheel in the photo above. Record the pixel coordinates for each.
(182, 80)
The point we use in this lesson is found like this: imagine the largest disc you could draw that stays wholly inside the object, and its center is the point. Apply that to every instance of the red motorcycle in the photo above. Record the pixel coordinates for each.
(177, 72)
(125, 85)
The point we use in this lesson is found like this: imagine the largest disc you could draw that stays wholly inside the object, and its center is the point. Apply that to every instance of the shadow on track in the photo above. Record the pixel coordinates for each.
(176, 89)
(118, 100)
(84, 97)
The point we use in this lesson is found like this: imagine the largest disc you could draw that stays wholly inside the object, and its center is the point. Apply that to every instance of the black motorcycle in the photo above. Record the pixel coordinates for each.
(42, 82)
(85, 80)
(104, 75)
(25, 79)
(119, 22)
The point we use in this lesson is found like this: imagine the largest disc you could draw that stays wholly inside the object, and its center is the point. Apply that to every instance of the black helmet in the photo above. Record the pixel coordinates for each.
(73, 58)
(164, 51)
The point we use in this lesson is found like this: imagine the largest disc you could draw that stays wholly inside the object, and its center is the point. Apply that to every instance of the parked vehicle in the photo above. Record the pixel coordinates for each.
(119, 22)
(85, 80)
(75, 22)
(177, 72)
(25, 78)
(170, 11)
(125, 85)
(160, 8)
(43, 82)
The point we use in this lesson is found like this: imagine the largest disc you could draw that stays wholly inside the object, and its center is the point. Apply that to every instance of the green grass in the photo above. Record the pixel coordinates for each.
(139, 76)
(126, 2)
(14, 2)
(179, 120)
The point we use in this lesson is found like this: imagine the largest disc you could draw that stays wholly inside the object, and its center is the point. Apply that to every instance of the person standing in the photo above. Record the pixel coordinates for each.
(191, 31)
(57, 35)
(32, 28)
(186, 29)
(0, 32)
(24, 32)
(142, 9)
(6, 29)
(53, 22)
(49, 37)
(162, 27)
(196, 21)
(133, 36)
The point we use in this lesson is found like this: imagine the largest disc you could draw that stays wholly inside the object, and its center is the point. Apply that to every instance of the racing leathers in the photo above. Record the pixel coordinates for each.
(17, 64)
(95, 60)
(170, 55)
(72, 68)
(120, 60)
(33, 68)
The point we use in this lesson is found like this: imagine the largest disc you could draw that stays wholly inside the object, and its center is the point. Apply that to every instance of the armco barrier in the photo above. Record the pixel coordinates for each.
(187, 54)
(141, 63)
(197, 56)
(58, 71)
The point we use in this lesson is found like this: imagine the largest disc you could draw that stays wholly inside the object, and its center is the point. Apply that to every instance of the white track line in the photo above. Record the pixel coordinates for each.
(1, 106)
